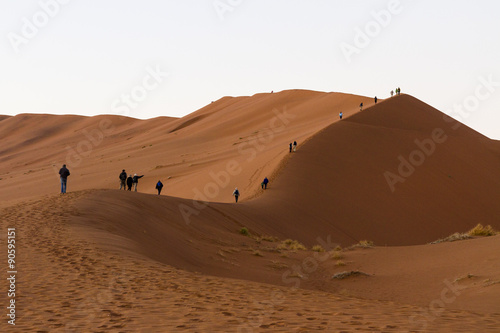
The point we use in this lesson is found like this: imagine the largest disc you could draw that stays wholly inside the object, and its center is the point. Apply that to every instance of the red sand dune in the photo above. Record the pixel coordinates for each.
(333, 190)
(252, 131)
(337, 182)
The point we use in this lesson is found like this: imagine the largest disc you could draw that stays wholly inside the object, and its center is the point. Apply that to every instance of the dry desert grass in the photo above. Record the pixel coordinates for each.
(291, 245)
(478, 231)
(318, 248)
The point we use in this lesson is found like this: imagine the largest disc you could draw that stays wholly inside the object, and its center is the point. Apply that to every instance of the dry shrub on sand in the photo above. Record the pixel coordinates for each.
(318, 248)
(260, 239)
(269, 238)
(452, 238)
(336, 255)
(479, 230)
(293, 245)
(365, 244)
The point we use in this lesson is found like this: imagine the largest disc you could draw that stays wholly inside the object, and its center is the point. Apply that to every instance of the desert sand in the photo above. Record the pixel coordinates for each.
(399, 174)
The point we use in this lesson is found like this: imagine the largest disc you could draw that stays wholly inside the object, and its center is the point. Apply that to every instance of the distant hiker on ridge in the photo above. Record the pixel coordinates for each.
(392, 93)
(159, 186)
(290, 147)
(123, 180)
(295, 146)
(64, 173)
(130, 182)
(236, 194)
(135, 181)
(340, 115)
(264, 183)
(361, 107)
(376, 99)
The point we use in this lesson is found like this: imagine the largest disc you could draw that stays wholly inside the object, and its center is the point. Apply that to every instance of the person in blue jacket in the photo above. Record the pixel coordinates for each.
(264, 183)
(159, 186)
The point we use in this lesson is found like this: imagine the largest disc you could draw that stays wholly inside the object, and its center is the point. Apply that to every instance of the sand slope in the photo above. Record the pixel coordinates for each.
(337, 180)
(71, 284)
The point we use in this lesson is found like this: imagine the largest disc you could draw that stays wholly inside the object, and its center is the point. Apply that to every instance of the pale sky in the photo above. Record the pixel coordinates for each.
(111, 56)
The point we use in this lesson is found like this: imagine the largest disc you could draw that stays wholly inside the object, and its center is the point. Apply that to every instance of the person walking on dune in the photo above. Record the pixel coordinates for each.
(123, 180)
(392, 93)
(361, 107)
(159, 186)
(340, 115)
(376, 99)
(236, 194)
(64, 173)
(264, 183)
(290, 146)
(130, 182)
(295, 146)
(135, 181)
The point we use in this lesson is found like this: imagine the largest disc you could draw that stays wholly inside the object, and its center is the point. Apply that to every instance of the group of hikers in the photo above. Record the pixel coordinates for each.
(398, 91)
(263, 185)
(292, 147)
(361, 106)
(133, 181)
(127, 182)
